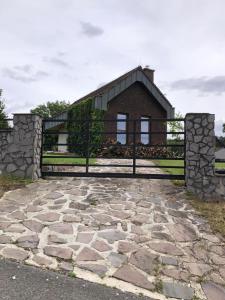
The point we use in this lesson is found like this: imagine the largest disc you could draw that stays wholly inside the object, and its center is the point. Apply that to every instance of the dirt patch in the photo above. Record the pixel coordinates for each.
(214, 212)
(8, 183)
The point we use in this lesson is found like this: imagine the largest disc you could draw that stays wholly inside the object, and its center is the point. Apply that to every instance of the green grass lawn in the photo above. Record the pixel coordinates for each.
(179, 163)
(65, 161)
(164, 162)
(220, 165)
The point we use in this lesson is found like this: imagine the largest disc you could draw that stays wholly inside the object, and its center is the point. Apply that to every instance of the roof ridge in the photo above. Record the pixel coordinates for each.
(102, 88)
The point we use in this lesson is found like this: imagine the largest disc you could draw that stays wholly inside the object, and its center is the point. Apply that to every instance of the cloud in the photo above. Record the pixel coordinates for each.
(24, 68)
(206, 85)
(91, 30)
(24, 73)
(219, 128)
(57, 61)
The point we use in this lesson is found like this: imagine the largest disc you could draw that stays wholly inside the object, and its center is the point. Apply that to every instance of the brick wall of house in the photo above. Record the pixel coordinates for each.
(136, 102)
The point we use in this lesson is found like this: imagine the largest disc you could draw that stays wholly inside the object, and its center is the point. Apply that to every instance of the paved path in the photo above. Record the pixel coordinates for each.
(136, 234)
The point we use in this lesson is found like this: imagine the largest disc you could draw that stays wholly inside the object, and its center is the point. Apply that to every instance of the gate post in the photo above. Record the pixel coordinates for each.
(200, 154)
(28, 139)
(21, 152)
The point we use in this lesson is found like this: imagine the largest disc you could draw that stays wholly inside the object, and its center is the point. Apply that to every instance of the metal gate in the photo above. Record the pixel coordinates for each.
(113, 149)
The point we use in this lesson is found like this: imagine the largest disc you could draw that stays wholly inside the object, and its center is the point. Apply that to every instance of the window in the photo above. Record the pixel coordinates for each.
(145, 127)
(122, 128)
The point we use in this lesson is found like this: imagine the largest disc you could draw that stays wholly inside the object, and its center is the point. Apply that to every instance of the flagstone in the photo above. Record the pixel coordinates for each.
(42, 260)
(4, 225)
(159, 218)
(59, 252)
(140, 219)
(144, 260)
(98, 269)
(169, 260)
(137, 229)
(182, 233)
(117, 259)
(220, 250)
(131, 275)
(217, 259)
(213, 291)
(17, 215)
(5, 239)
(33, 208)
(112, 235)
(15, 253)
(88, 254)
(222, 272)
(66, 266)
(177, 290)
(216, 278)
(197, 269)
(48, 217)
(15, 228)
(53, 238)
(53, 195)
(125, 247)
(28, 241)
(177, 274)
(60, 201)
(162, 236)
(119, 214)
(78, 205)
(84, 237)
(63, 228)
(33, 225)
(101, 246)
(71, 218)
(166, 248)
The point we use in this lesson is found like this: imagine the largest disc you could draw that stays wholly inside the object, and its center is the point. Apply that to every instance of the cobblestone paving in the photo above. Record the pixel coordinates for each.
(137, 231)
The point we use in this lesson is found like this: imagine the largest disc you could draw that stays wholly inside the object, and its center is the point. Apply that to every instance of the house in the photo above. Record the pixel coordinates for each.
(132, 96)
(220, 154)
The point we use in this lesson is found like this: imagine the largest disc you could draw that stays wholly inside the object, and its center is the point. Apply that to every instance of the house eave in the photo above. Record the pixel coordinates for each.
(101, 101)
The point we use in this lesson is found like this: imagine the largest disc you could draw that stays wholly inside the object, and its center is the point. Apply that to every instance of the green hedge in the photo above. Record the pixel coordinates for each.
(81, 117)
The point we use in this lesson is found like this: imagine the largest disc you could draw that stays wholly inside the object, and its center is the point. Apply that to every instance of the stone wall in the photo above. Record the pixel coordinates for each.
(201, 179)
(20, 147)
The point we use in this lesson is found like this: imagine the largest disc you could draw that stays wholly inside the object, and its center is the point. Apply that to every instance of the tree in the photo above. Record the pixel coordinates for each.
(224, 127)
(176, 126)
(3, 115)
(50, 109)
(176, 138)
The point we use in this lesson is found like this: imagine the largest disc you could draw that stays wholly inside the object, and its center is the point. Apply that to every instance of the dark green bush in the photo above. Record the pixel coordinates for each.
(50, 141)
(84, 128)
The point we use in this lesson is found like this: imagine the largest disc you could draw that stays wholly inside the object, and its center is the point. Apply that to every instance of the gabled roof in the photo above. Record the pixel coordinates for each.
(104, 94)
(106, 87)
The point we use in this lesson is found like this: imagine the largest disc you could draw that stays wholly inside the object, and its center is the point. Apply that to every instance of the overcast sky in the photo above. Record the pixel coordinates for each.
(63, 49)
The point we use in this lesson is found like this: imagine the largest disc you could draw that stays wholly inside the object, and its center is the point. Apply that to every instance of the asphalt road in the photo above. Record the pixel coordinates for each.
(21, 282)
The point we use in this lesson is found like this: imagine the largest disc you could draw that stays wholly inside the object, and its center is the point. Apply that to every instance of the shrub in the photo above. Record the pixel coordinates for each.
(83, 126)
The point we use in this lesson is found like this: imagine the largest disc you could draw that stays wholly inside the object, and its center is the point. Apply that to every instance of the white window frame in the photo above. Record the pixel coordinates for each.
(144, 120)
(121, 132)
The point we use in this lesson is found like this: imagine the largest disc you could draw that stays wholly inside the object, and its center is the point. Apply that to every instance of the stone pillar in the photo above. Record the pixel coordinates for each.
(200, 155)
(23, 152)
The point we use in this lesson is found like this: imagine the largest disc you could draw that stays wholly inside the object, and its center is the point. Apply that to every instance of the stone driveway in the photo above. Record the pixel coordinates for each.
(135, 234)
